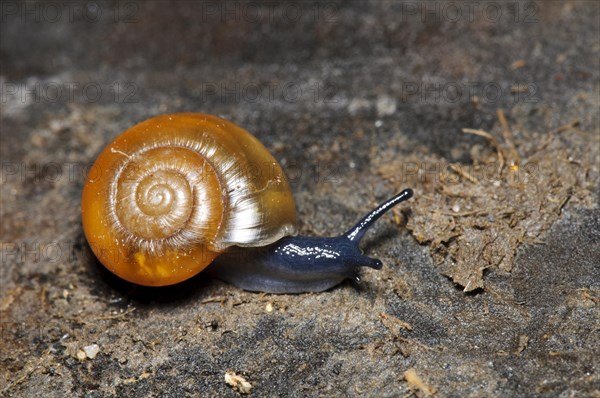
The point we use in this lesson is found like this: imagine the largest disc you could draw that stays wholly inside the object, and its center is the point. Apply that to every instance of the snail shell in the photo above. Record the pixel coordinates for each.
(173, 192)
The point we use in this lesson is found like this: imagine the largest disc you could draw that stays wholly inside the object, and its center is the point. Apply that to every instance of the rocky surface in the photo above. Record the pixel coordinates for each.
(491, 283)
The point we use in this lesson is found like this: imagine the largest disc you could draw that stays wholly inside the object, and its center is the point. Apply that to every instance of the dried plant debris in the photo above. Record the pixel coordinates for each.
(475, 216)
(417, 385)
(237, 382)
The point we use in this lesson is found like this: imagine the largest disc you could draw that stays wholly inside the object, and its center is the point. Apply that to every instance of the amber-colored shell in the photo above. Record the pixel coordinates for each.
(171, 193)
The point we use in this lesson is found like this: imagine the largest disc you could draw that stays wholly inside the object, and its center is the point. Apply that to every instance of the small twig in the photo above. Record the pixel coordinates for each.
(492, 140)
(508, 137)
(216, 299)
(458, 170)
(563, 203)
(566, 127)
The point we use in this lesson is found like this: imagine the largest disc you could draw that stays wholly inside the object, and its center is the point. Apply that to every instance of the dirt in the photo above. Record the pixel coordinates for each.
(474, 216)
(491, 278)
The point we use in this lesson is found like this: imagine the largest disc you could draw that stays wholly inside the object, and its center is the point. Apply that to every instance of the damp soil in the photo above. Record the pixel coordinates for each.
(491, 277)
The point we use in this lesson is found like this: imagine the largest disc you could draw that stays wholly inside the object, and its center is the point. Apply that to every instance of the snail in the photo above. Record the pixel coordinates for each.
(177, 192)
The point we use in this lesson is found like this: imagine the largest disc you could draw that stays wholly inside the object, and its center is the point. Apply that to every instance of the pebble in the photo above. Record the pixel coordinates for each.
(91, 351)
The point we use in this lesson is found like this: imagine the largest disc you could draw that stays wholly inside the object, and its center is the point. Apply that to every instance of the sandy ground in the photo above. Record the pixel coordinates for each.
(488, 110)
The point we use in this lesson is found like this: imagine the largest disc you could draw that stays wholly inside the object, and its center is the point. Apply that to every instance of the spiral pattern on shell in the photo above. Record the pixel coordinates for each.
(160, 203)
(171, 193)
